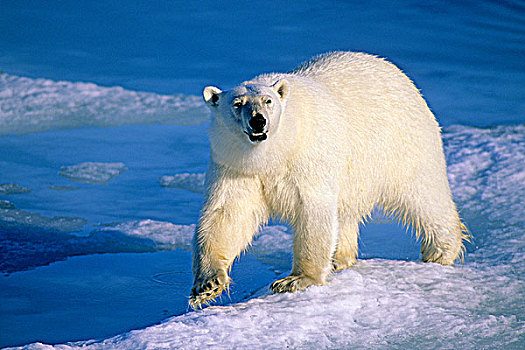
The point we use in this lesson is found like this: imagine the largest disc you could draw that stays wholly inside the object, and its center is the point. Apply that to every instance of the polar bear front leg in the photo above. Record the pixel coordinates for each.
(233, 210)
(314, 244)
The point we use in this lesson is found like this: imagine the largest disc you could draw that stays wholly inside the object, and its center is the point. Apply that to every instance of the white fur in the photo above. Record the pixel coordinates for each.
(347, 132)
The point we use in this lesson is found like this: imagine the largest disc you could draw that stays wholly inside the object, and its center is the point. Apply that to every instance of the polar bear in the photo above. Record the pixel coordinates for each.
(319, 148)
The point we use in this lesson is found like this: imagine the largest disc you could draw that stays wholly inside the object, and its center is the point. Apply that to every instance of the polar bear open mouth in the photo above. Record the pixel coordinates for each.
(256, 137)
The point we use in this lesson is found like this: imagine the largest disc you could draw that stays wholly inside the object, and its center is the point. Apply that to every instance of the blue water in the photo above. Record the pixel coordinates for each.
(174, 149)
(465, 56)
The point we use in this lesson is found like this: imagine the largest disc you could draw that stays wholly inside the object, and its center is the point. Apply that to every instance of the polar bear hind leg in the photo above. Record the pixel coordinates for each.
(347, 244)
(436, 222)
(442, 241)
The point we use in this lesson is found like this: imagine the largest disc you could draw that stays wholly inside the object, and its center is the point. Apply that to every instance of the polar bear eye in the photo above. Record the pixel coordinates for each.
(269, 101)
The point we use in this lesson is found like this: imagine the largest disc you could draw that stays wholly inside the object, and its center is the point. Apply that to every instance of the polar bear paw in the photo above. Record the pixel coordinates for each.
(342, 263)
(205, 291)
(292, 284)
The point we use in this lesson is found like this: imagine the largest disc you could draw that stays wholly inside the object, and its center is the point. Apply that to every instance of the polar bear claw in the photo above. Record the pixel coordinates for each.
(292, 284)
(207, 290)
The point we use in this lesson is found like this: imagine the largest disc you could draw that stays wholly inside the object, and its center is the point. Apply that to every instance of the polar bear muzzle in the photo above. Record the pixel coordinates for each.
(256, 138)
(257, 123)
(257, 132)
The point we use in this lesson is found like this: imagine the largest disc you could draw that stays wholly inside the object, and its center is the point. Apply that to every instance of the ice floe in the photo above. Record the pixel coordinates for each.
(16, 218)
(164, 235)
(34, 105)
(377, 304)
(30, 239)
(92, 173)
(184, 181)
(13, 189)
(62, 188)
(6, 205)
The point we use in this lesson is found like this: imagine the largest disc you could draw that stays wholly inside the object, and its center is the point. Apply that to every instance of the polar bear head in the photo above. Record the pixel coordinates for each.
(250, 111)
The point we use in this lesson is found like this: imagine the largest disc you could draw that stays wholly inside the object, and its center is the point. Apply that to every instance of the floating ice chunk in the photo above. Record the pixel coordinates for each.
(185, 181)
(12, 217)
(13, 189)
(33, 105)
(31, 240)
(92, 173)
(273, 247)
(164, 235)
(6, 205)
(62, 188)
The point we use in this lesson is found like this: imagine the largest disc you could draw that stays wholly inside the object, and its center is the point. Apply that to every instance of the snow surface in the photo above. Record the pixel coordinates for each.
(32, 105)
(379, 304)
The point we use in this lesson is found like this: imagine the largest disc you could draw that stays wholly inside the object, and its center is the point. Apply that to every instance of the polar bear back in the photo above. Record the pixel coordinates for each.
(360, 79)
(378, 98)
(393, 137)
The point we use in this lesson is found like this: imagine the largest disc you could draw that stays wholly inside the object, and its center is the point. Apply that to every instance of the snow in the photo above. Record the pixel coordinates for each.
(380, 304)
(92, 173)
(33, 105)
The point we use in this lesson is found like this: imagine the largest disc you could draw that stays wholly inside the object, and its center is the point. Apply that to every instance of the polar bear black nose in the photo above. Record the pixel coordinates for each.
(257, 122)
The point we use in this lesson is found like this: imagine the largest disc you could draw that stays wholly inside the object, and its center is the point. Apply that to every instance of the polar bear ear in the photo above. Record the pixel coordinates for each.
(282, 87)
(211, 95)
